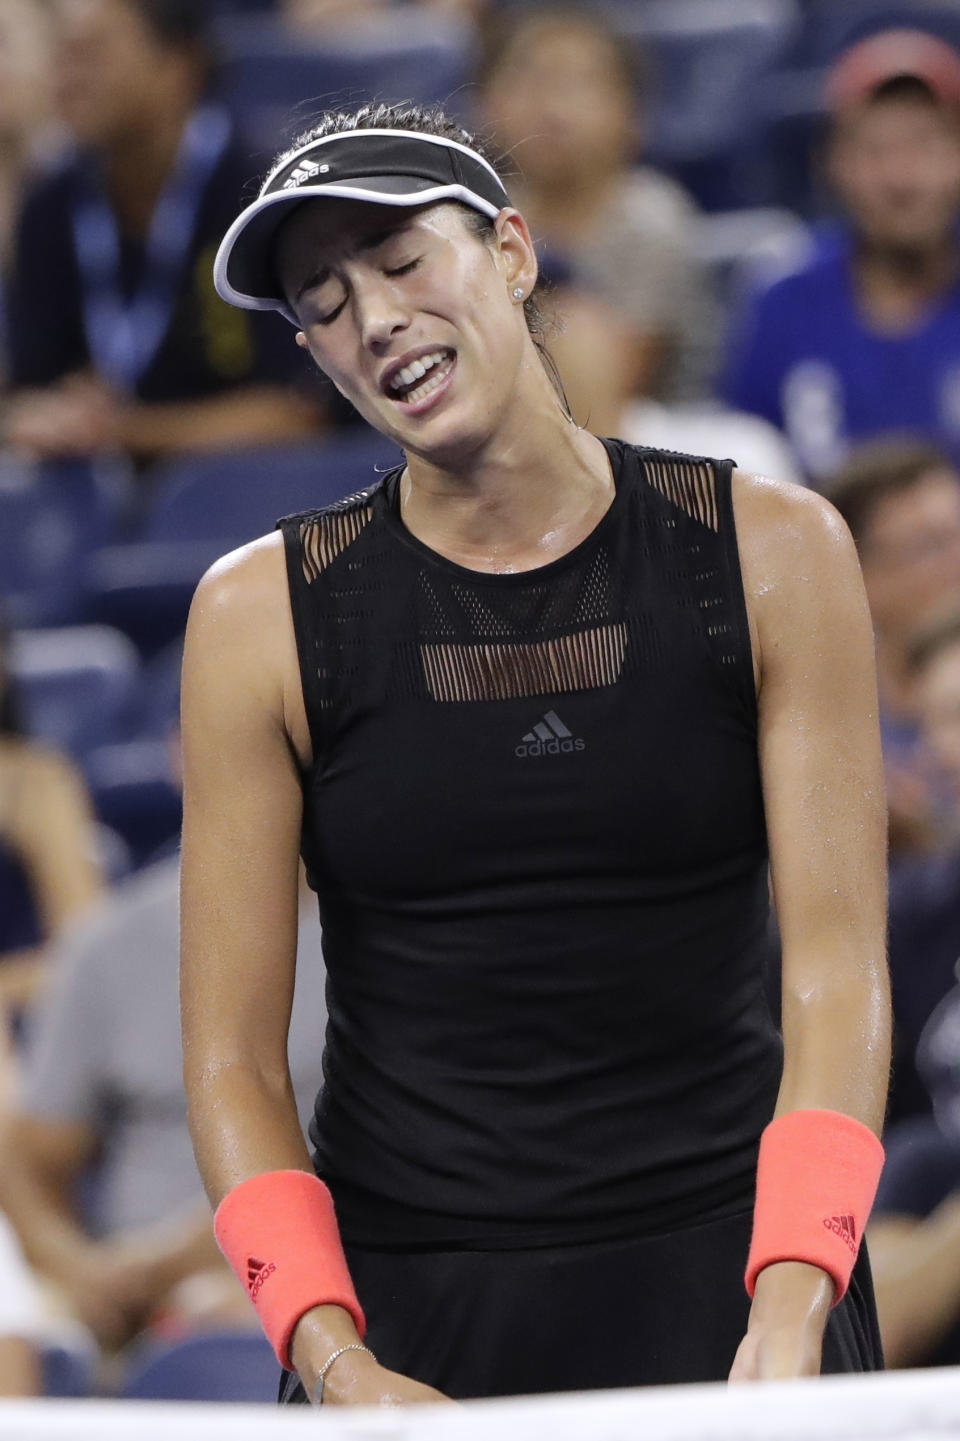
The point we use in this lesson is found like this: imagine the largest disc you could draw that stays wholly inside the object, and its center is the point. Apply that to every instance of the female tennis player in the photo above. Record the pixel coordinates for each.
(542, 711)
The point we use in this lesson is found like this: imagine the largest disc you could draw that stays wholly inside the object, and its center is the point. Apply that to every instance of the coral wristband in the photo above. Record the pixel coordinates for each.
(279, 1233)
(817, 1177)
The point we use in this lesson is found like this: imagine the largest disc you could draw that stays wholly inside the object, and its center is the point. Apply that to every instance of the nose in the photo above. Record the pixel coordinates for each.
(380, 310)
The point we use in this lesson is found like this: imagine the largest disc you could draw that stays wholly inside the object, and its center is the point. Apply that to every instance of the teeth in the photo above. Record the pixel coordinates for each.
(416, 370)
(435, 378)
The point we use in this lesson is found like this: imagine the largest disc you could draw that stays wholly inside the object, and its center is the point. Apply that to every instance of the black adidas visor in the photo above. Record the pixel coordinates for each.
(388, 167)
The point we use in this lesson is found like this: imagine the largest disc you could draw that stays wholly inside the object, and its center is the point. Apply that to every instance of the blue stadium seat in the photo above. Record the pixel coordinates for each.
(75, 682)
(135, 795)
(275, 81)
(132, 780)
(830, 27)
(233, 497)
(51, 518)
(742, 249)
(205, 506)
(211, 1366)
(708, 62)
(65, 1373)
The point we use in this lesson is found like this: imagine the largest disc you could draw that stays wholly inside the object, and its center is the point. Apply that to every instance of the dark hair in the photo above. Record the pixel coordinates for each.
(433, 120)
(903, 87)
(879, 469)
(177, 22)
(499, 30)
(938, 633)
(11, 723)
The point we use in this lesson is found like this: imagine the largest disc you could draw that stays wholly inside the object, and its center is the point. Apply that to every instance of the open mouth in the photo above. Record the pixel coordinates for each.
(415, 381)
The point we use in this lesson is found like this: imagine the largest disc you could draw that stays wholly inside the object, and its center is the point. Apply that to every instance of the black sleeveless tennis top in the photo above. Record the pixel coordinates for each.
(535, 824)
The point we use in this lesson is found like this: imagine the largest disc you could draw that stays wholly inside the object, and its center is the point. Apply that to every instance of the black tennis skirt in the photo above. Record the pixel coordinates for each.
(641, 1312)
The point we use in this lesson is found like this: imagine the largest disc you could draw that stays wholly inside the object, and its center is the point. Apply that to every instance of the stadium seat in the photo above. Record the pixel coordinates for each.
(707, 63)
(75, 682)
(275, 81)
(207, 505)
(233, 497)
(65, 1373)
(51, 518)
(211, 1366)
(135, 795)
(830, 27)
(745, 248)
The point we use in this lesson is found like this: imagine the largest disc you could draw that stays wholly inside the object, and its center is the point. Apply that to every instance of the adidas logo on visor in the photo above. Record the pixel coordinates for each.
(549, 737)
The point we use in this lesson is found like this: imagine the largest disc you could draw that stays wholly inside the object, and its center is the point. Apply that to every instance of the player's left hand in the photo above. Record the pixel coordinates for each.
(784, 1337)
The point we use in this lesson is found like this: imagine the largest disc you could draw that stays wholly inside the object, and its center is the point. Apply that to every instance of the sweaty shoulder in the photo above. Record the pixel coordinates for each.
(245, 589)
(796, 557)
(240, 634)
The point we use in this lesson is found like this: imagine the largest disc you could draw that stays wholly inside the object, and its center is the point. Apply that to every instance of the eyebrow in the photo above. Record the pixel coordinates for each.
(369, 242)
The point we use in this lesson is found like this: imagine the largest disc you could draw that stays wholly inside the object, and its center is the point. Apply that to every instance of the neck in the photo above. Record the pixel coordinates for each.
(139, 162)
(897, 283)
(524, 496)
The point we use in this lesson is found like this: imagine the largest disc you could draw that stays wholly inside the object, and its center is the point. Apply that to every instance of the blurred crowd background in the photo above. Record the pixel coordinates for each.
(749, 212)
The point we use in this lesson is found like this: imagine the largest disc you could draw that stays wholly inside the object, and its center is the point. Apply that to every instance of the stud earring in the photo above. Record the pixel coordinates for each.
(518, 293)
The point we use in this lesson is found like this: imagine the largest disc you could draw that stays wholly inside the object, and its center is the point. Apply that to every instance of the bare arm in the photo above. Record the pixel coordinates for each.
(823, 791)
(245, 734)
(40, 1163)
(50, 825)
(916, 1272)
(81, 416)
(253, 415)
(242, 811)
(48, 821)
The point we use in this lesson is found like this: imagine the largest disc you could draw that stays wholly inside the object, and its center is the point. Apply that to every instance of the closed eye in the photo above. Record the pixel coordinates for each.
(404, 269)
(331, 317)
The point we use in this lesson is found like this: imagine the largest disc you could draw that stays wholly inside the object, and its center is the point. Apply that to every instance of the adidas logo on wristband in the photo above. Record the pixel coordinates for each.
(257, 1273)
(844, 1227)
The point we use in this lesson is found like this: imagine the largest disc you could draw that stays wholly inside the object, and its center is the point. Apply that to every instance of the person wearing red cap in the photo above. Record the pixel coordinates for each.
(865, 339)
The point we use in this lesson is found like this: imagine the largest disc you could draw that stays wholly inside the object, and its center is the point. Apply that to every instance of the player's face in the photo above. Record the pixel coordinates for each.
(896, 166)
(411, 315)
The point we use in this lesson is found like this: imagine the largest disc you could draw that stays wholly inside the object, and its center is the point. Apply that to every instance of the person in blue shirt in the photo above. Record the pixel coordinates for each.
(866, 338)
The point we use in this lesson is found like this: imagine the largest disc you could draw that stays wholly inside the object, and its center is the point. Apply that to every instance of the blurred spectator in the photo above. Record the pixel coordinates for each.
(866, 338)
(925, 896)
(710, 429)
(102, 1103)
(117, 339)
(915, 1232)
(26, 103)
(20, 1320)
(901, 500)
(48, 868)
(558, 88)
(324, 15)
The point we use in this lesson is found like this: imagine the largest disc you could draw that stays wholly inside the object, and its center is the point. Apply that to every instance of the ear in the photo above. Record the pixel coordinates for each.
(302, 340)
(515, 252)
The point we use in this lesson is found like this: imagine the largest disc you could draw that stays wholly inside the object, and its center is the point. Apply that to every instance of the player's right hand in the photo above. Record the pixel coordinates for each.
(357, 1379)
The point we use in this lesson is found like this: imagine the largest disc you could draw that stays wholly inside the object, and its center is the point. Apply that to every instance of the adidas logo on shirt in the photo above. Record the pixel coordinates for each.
(549, 737)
